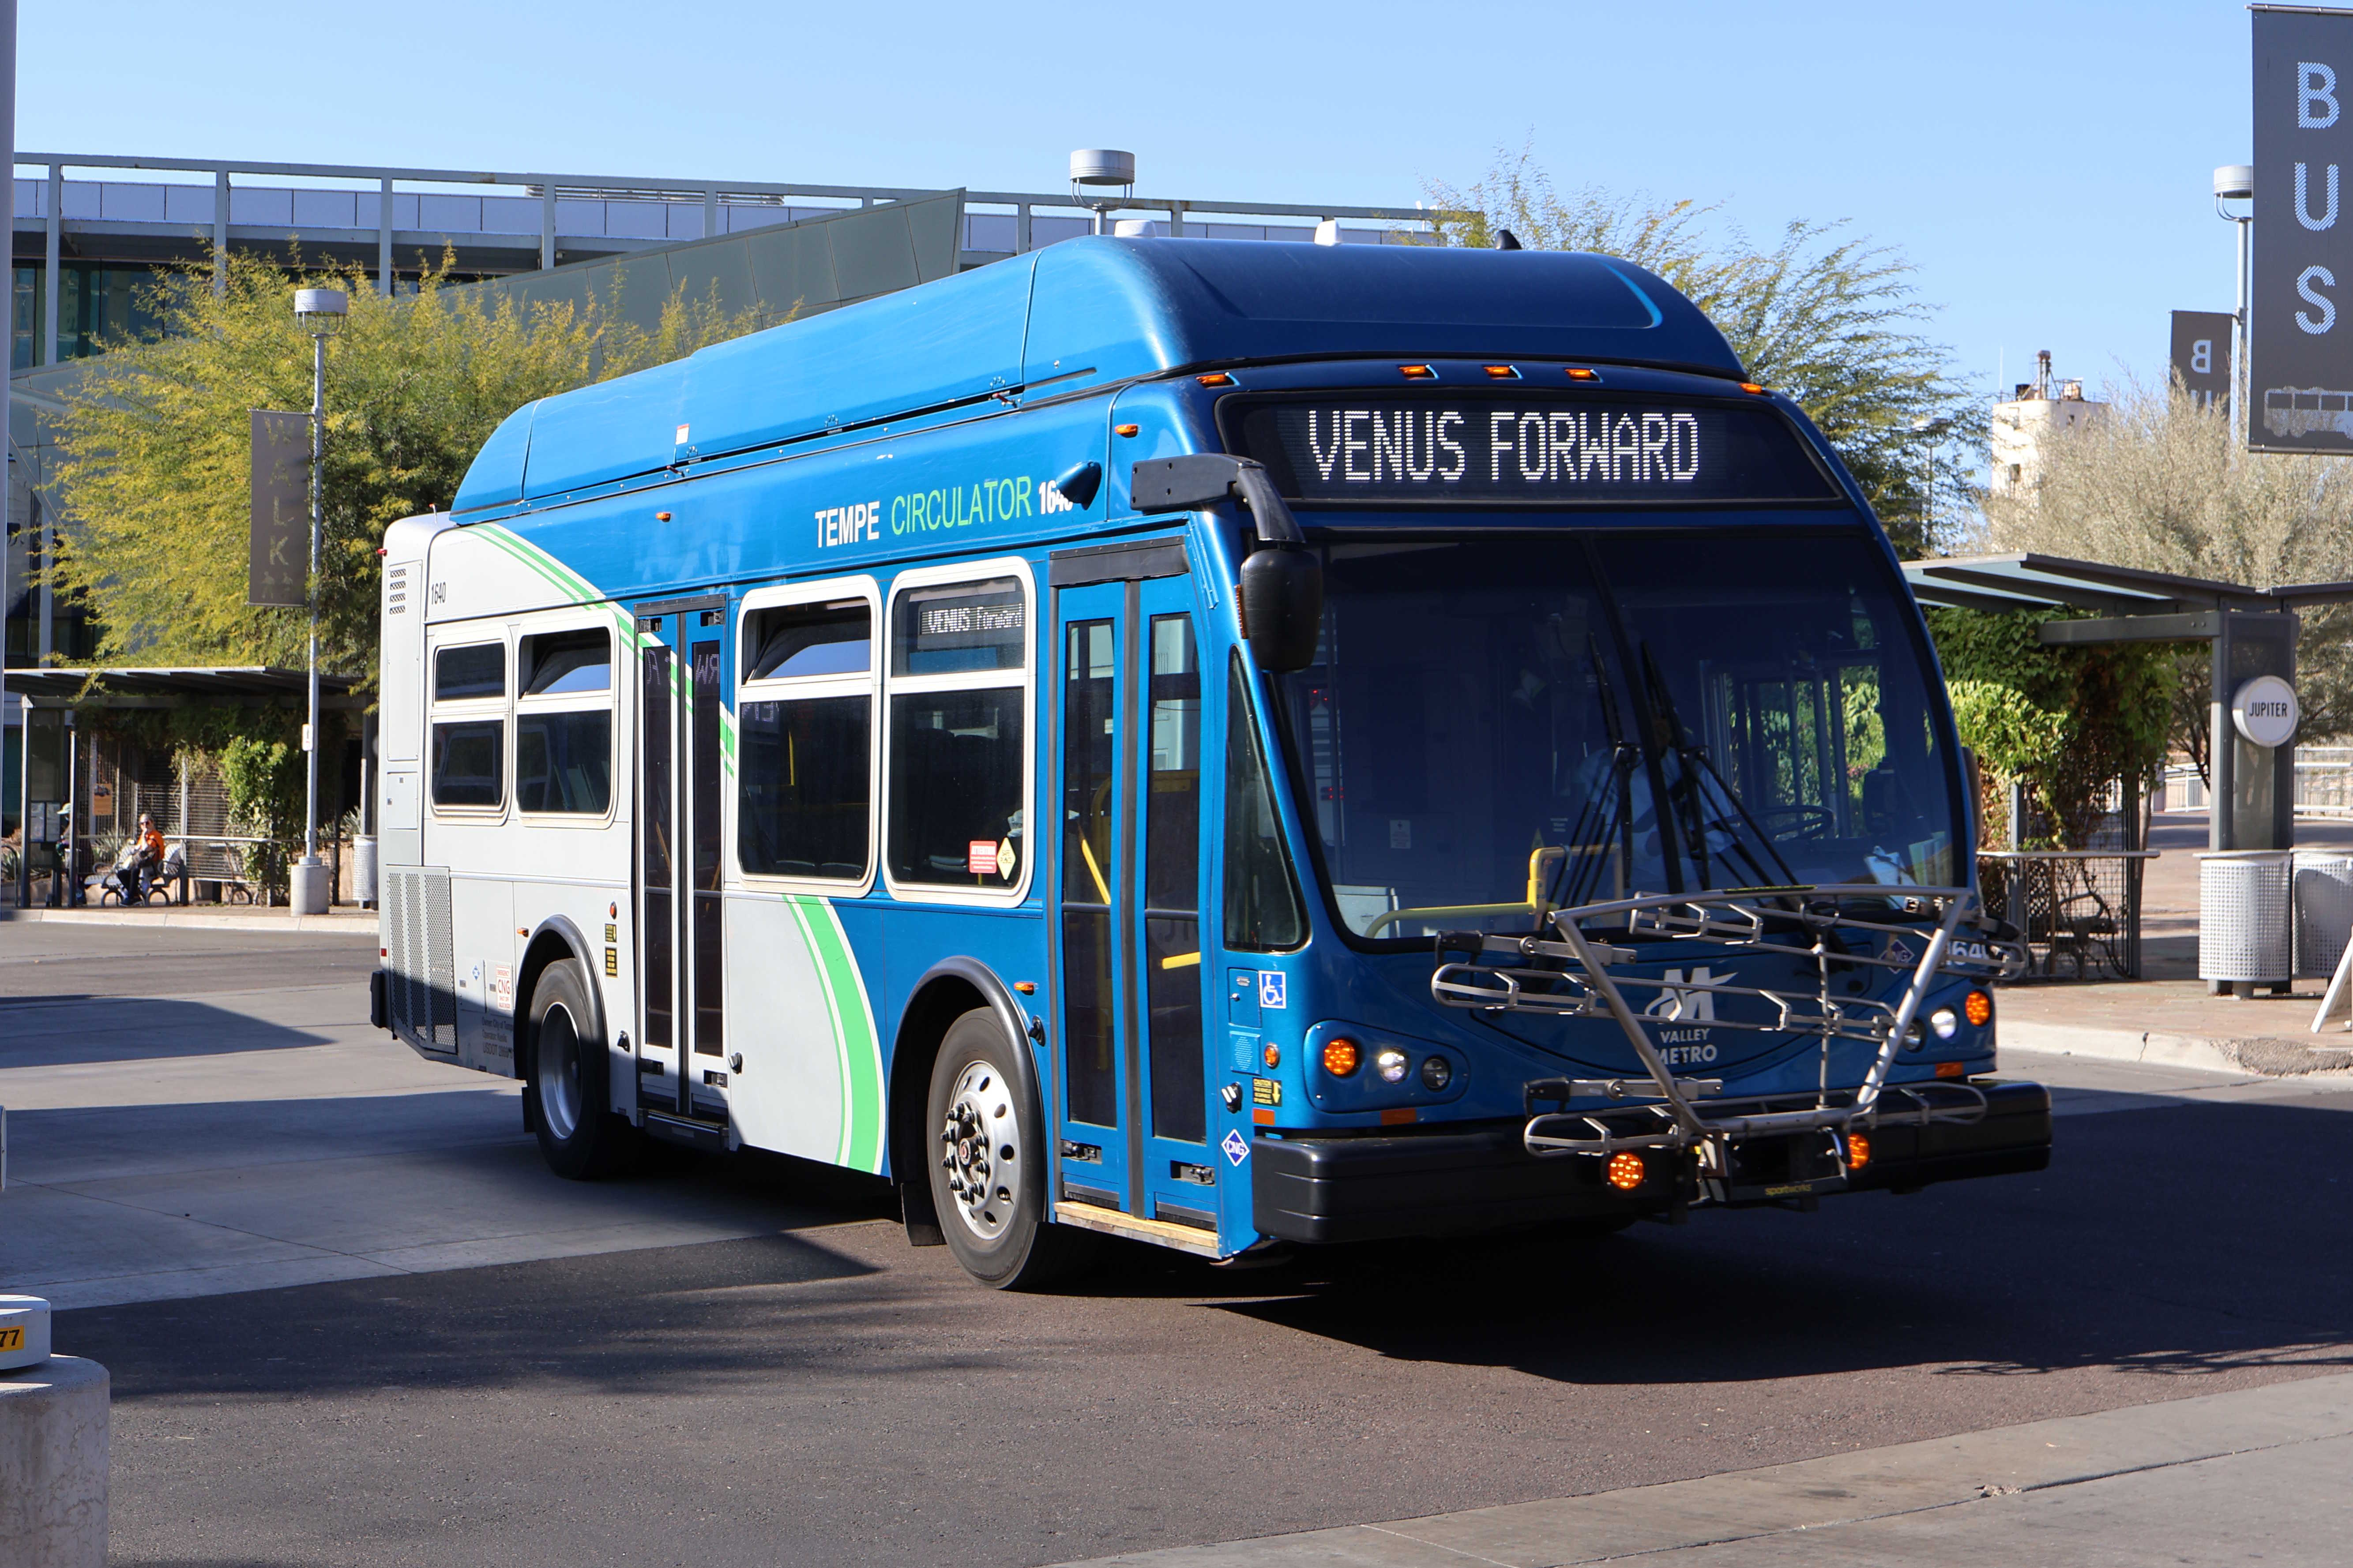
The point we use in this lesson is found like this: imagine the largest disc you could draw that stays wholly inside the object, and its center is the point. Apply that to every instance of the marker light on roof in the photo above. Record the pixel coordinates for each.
(1579, 373)
(1416, 373)
(1503, 373)
(1215, 378)
(1752, 386)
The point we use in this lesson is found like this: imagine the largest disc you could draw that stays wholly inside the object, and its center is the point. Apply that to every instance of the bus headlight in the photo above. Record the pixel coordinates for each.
(1437, 1072)
(1391, 1064)
(1945, 1022)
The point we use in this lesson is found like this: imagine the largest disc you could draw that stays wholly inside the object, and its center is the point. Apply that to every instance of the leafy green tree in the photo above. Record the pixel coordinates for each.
(2064, 721)
(156, 445)
(1831, 319)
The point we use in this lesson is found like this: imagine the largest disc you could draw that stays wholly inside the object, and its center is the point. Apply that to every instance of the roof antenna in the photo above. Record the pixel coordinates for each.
(1507, 240)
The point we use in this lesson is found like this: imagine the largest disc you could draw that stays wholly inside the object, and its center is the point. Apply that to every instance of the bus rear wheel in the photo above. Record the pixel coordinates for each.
(579, 1136)
(988, 1159)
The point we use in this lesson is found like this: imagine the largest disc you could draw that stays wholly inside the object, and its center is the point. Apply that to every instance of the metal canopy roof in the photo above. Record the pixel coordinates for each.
(131, 688)
(2026, 581)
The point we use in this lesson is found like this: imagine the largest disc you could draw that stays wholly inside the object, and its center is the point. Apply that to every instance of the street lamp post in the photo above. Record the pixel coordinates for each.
(320, 311)
(2236, 183)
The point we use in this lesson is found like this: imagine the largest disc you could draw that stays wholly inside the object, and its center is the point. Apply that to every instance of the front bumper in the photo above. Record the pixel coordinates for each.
(1328, 1189)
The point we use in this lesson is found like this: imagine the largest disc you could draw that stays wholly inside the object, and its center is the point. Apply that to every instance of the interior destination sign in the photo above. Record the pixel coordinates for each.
(1547, 450)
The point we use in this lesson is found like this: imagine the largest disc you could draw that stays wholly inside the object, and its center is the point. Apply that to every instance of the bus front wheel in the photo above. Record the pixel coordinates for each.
(579, 1136)
(987, 1160)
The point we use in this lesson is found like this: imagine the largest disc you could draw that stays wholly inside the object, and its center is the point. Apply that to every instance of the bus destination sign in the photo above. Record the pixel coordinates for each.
(1547, 451)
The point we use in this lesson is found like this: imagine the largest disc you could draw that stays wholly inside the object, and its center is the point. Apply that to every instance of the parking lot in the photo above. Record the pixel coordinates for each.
(351, 1319)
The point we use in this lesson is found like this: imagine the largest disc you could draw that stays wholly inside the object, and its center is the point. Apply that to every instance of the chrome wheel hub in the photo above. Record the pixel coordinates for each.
(559, 1073)
(980, 1150)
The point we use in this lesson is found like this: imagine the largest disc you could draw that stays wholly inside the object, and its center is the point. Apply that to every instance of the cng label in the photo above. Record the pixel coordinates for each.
(1236, 1146)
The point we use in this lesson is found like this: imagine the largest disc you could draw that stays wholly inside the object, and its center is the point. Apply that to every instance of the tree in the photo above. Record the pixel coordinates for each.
(1831, 320)
(2064, 721)
(155, 443)
(2160, 484)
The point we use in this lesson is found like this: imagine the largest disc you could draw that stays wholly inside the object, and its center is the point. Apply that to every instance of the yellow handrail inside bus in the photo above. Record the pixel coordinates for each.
(1539, 859)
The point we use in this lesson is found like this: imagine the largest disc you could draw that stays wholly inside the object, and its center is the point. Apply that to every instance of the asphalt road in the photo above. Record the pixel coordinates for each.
(818, 1393)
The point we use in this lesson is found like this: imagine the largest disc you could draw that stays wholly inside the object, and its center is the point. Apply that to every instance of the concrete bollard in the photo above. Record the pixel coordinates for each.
(53, 1447)
(306, 887)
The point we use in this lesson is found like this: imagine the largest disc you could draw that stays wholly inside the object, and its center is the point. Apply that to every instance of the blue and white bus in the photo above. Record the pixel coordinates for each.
(1228, 745)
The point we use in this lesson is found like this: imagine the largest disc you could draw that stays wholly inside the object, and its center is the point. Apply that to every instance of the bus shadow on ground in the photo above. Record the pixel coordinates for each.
(2182, 1240)
(70, 1030)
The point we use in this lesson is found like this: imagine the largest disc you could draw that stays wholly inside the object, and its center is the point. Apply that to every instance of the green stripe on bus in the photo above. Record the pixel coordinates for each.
(855, 1044)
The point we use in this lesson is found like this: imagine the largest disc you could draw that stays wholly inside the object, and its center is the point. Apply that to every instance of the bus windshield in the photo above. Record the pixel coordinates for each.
(1495, 727)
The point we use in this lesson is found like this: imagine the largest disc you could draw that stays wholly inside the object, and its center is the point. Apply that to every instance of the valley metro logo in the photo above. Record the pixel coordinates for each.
(1682, 1006)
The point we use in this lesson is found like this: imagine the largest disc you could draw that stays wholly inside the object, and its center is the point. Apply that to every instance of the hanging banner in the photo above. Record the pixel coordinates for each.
(2300, 299)
(2201, 356)
(278, 557)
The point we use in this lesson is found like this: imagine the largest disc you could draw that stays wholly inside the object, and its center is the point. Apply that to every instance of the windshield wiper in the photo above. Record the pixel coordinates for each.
(1603, 815)
(1693, 774)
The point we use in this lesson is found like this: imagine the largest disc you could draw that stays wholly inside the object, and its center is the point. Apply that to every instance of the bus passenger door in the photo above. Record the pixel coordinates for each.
(1133, 1112)
(681, 1042)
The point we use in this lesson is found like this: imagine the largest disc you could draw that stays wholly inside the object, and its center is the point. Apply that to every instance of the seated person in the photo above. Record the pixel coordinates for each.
(135, 868)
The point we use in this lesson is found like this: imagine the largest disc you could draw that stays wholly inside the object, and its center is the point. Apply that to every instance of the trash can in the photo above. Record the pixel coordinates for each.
(2246, 928)
(2324, 911)
(363, 870)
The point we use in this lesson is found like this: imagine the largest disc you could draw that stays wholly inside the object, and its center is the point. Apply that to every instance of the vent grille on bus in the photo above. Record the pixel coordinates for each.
(416, 932)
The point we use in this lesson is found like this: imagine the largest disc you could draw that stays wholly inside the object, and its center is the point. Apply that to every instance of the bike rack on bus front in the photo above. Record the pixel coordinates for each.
(1574, 978)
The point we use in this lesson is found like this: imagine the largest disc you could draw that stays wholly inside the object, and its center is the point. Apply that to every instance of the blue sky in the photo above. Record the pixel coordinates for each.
(2046, 168)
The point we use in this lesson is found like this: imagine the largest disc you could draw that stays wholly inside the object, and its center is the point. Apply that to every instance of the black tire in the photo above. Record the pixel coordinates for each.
(985, 1147)
(566, 1074)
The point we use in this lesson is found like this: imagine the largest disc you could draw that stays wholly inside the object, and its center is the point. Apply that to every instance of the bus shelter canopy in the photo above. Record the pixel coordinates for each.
(230, 685)
(2127, 604)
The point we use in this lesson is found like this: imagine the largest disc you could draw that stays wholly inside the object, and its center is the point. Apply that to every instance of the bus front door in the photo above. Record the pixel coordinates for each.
(682, 1044)
(1134, 1113)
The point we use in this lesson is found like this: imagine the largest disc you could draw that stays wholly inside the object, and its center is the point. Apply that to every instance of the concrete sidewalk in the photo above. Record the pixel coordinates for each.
(2194, 1480)
(240, 918)
(2167, 1018)
(2176, 1023)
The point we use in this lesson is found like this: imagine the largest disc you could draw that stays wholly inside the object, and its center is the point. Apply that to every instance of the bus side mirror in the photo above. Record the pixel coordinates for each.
(1281, 608)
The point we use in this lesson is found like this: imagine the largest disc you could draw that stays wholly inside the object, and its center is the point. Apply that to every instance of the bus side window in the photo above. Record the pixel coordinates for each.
(959, 695)
(804, 718)
(1261, 903)
(563, 723)
(470, 732)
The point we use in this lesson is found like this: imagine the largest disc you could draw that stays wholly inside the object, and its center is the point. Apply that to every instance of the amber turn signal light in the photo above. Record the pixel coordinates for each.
(1340, 1056)
(1979, 1008)
(1625, 1171)
(1126, 429)
(1858, 1150)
